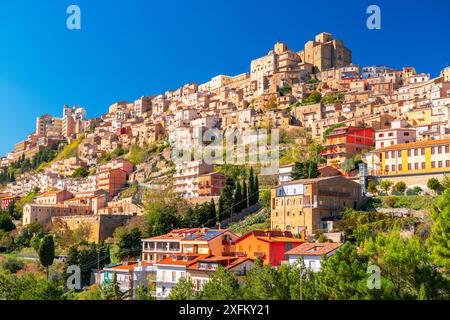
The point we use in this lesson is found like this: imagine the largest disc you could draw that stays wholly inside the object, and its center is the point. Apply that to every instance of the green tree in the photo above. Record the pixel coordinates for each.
(439, 241)
(348, 165)
(80, 172)
(112, 292)
(162, 218)
(256, 195)
(129, 244)
(73, 259)
(372, 188)
(244, 195)
(226, 201)
(343, 276)
(434, 184)
(223, 285)
(313, 98)
(264, 282)
(400, 187)
(404, 264)
(386, 185)
(417, 190)
(143, 293)
(237, 206)
(184, 290)
(6, 223)
(305, 170)
(212, 217)
(46, 252)
(251, 187)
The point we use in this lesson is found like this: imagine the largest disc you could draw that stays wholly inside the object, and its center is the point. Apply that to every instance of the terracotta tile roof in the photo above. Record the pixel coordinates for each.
(180, 261)
(130, 266)
(272, 236)
(314, 249)
(417, 144)
(177, 234)
(49, 193)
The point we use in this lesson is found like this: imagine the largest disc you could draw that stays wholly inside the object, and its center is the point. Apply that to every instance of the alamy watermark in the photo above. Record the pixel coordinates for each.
(234, 147)
(73, 21)
(374, 20)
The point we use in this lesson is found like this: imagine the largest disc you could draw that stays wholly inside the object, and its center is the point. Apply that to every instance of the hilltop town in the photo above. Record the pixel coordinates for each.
(349, 136)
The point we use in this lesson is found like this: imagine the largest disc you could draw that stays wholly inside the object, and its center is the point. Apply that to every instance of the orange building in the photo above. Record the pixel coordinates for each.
(270, 246)
(211, 184)
(112, 181)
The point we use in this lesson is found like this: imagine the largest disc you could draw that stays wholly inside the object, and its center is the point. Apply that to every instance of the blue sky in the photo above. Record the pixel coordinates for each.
(127, 49)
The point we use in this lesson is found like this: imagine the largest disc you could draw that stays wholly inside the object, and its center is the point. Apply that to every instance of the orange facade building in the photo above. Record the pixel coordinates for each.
(270, 246)
(211, 185)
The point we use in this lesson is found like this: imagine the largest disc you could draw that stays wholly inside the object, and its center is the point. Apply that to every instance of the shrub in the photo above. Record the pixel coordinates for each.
(12, 265)
(390, 202)
(400, 187)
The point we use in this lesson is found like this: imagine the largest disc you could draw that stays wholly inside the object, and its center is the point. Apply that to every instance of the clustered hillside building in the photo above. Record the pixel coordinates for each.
(197, 253)
(397, 121)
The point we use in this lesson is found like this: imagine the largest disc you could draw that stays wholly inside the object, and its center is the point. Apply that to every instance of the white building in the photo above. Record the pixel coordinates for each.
(312, 254)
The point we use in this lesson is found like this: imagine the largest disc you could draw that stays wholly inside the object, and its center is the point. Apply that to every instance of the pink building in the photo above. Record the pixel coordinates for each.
(124, 165)
(394, 136)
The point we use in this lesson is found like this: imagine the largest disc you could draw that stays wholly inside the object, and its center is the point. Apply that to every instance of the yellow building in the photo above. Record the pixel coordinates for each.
(312, 204)
(431, 156)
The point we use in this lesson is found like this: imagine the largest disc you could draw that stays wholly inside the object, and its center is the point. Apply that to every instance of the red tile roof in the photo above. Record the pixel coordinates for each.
(180, 261)
(314, 249)
(130, 266)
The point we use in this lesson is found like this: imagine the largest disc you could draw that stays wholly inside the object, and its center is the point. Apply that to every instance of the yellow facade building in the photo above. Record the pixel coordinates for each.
(313, 204)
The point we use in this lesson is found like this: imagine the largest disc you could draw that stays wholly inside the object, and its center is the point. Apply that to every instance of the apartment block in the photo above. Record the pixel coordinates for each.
(186, 178)
(343, 143)
(312, 205)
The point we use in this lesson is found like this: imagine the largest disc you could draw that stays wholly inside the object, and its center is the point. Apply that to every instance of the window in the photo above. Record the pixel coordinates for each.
(400, 167)
(422, 151)
(416, 166)
(446, 149)
(423, 165)
(387, 155)
(386, 169)
(439, 150)
(440, 164)
(447, 163)
(393, 154)
(399, 153)
(416, 152)
(409, 166)
(406, 134)
(432, 151)
(433, 164)
(409, 152)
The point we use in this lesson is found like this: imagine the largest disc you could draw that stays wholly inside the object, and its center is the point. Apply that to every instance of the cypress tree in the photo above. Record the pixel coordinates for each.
(212, 219)
(251, 188)
(46, 252)
(244, 195)
(237, 207)
(256, 189)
